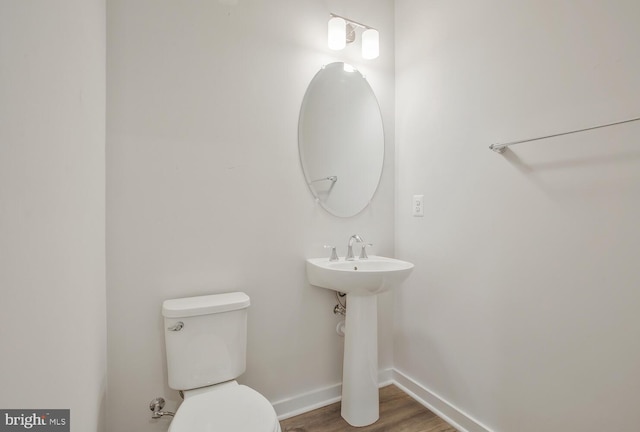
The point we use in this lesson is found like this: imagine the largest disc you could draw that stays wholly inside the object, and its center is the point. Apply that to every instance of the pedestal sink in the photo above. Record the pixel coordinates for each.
(361, 280)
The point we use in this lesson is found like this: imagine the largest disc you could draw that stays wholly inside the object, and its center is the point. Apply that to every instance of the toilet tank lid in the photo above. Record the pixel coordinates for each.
(204, 305)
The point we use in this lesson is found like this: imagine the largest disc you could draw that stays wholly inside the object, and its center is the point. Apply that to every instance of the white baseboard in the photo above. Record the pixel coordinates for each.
(453, 415)
(315, 399)
(306, 402)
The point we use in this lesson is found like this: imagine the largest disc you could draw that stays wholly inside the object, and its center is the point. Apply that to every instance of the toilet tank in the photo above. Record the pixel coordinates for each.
(206, 339)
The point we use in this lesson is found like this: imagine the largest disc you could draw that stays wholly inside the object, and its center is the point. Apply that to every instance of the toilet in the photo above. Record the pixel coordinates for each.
(206, 345)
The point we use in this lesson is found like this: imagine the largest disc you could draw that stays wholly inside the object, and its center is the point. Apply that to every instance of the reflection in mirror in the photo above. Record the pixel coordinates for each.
(341, 140)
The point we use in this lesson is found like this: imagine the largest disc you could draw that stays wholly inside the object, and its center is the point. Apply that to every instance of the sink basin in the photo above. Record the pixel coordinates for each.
(360, 277)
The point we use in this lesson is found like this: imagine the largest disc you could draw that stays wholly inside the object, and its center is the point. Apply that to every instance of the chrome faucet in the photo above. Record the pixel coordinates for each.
(363, 252)
(353, 238)
(334, 254)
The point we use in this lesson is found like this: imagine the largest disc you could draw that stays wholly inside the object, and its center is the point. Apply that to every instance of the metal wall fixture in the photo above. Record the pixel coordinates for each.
(342, 31)
(500, 148)
(156, 406)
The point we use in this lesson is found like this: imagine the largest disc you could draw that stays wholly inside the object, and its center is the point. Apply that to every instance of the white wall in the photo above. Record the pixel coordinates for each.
(205, 192)
(52, 212)
(523, 308)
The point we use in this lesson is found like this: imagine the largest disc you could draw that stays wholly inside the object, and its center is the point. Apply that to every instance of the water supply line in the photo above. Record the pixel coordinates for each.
(340, 308)
(156, 406)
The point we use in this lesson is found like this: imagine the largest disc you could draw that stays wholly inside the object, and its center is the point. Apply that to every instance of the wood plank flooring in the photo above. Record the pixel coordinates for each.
(398, 413)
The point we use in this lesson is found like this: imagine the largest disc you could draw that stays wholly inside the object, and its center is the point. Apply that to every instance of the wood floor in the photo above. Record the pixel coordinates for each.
(398, 413)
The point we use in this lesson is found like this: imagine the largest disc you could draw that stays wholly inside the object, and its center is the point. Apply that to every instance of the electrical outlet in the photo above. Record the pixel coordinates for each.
(418, 206)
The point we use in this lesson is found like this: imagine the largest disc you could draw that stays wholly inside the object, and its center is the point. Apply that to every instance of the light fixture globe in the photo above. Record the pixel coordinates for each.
(370, 44)
(337, 33)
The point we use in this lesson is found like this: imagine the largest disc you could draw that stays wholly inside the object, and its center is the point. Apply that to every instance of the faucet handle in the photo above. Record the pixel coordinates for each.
(334, 254)
(363, 252)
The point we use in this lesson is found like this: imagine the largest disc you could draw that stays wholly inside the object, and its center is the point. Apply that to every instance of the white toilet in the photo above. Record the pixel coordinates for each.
(206, 342)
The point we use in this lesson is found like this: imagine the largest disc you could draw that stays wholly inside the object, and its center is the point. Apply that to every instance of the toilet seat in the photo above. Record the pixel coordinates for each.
(225, 407)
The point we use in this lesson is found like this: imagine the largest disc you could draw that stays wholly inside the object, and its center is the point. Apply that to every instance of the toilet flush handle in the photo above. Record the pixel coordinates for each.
(176, 327)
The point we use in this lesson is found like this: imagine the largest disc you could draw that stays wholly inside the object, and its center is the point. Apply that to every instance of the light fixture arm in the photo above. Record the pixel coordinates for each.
(352, 22)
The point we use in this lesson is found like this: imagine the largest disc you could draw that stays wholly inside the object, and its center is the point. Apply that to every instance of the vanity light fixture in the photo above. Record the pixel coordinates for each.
(342, 31)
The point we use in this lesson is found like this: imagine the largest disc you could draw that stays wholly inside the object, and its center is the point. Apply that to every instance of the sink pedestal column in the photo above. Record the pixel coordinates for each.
(360, 404)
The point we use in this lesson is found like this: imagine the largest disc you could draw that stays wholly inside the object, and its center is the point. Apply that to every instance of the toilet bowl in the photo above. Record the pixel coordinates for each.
(225, 407)
(206, 351)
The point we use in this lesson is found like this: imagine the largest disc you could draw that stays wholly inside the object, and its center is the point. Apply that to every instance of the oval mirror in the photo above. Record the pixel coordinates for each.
(341, 140)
